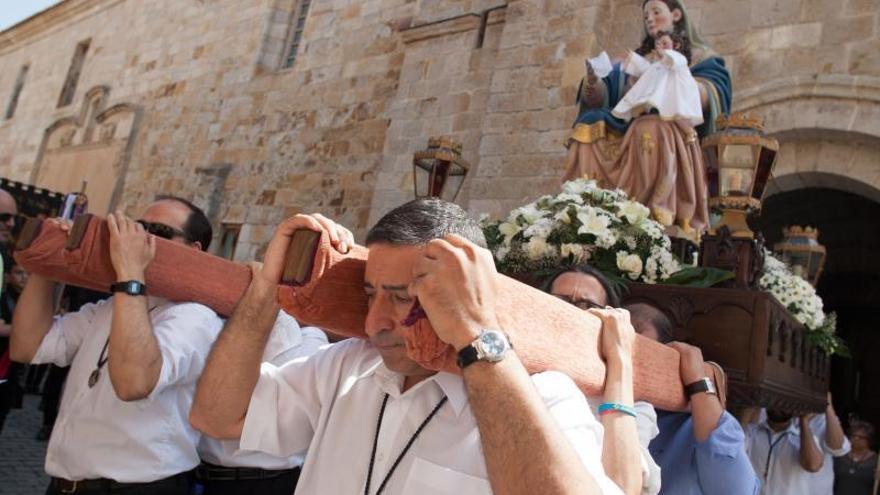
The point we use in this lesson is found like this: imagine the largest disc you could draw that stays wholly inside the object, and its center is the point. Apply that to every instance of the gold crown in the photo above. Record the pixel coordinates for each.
(798, 231)
(747, 120)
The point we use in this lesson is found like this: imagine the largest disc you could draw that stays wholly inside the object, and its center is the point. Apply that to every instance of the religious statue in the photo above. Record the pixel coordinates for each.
(656, 156)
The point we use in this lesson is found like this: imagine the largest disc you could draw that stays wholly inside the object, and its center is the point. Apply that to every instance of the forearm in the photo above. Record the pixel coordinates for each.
(706, 411)
(811, 457)
(621, 456)
(834, 436)
(134, 360)
(527, 441)
(233, 368)
(32, 318)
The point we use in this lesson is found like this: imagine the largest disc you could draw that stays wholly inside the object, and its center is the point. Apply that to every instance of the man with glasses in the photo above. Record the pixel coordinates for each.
(134, 360)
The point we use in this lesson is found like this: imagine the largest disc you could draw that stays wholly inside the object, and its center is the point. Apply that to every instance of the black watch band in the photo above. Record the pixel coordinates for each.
(130, 287)
(467, 356)
(702, 385)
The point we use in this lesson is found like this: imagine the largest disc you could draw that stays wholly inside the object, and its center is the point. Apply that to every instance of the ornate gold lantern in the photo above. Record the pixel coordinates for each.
(801, 250)
(439, 170)
(739, 159)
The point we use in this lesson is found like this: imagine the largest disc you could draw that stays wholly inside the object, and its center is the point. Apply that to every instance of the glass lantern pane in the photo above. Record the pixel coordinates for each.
(453, 185)
(735, 181)
(422, 179)
(737, 156)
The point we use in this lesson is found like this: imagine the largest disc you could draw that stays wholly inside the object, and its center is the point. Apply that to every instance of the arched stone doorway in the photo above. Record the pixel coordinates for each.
(847, 214)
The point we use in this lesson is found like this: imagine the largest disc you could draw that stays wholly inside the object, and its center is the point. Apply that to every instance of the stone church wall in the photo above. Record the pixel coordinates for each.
(373, 79)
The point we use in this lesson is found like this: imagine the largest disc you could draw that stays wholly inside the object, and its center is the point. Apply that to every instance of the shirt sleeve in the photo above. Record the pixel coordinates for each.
(646, 424)
(286, 404)
(66, 334)
(185, 333)
(722, 464)
(569, 408)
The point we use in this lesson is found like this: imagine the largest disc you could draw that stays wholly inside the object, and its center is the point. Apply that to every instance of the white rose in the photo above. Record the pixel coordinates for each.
(629, 263)
(576, 251)
(537, 248)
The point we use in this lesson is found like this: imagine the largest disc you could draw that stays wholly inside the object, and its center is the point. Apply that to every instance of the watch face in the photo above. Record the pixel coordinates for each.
(494, 344)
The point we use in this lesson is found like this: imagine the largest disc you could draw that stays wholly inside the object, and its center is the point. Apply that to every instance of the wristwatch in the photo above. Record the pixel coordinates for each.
(702, 385)
(491, 346)
(130, 287)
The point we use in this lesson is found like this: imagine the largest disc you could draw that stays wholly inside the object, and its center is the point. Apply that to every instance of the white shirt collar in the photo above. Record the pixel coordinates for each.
(451, 385)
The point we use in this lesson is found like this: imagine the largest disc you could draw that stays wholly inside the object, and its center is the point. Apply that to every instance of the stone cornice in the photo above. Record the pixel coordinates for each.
(837, 86)
(47, 21)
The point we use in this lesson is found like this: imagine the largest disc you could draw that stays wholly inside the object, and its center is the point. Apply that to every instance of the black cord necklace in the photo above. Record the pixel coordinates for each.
(412, 440)
(102, 360)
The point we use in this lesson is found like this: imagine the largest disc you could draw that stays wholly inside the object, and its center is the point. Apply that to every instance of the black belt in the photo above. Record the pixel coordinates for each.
(213, 472)
(83, 486)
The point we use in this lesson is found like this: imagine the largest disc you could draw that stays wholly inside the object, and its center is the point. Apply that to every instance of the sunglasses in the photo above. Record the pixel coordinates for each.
(5, 217)
(162, 230)
(583, 304)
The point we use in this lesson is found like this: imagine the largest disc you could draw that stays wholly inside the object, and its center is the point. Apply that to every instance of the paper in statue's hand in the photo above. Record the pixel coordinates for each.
(601, 64)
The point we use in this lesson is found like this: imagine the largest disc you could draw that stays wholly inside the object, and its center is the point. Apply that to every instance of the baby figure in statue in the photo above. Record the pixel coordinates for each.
(664, 84)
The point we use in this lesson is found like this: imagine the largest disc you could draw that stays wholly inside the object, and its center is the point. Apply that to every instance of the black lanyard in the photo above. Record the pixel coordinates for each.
(772, 446)
(102, 359)
(412, 440)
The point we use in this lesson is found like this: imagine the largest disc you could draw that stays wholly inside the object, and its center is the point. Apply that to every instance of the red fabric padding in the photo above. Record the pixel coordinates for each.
(548, 334)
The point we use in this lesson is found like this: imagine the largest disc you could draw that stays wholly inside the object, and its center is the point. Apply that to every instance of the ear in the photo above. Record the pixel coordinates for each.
(197, 245)
(676, 15)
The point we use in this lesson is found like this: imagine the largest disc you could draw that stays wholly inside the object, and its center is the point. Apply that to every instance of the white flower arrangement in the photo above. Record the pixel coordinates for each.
(801, 300)
(583, 223)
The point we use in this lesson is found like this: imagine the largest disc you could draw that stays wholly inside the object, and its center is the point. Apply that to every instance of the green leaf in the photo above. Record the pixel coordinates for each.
(698, 277)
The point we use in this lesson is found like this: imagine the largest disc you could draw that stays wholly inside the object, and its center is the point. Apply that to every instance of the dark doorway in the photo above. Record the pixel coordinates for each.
(849, 227)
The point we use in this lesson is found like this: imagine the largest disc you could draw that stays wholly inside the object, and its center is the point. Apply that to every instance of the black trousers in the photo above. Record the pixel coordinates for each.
(284, 484)
(177, 485)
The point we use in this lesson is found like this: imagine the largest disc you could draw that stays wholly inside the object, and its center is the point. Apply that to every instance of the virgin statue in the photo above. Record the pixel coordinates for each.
(656, 160)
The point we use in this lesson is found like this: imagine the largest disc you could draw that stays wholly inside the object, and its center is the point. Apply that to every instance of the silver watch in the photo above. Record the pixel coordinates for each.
(491, 345)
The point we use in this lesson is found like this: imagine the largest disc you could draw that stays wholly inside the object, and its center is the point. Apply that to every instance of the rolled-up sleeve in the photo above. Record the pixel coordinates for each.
(572, 413)
(64, 338)
(185, 333)
(722, 464)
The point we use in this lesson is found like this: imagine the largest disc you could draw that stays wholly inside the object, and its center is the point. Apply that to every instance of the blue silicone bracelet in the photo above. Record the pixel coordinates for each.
(610, 407)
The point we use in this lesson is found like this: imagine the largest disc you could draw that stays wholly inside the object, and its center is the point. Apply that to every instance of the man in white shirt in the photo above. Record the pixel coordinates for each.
(784, 451)
(834, 443)
(134, 361)
(228, 470)
(372, 420)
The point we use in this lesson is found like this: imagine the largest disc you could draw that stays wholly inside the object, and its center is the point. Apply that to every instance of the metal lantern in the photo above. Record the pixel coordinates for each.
(801, 250)
(739, 160)
(439, 170)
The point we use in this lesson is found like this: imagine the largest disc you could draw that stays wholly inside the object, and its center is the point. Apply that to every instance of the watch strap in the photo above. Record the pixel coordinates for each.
(130, 287)
(702, 385)
(467, 356)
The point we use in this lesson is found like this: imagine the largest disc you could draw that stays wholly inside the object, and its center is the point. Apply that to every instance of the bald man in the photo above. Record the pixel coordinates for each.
(8, 211)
